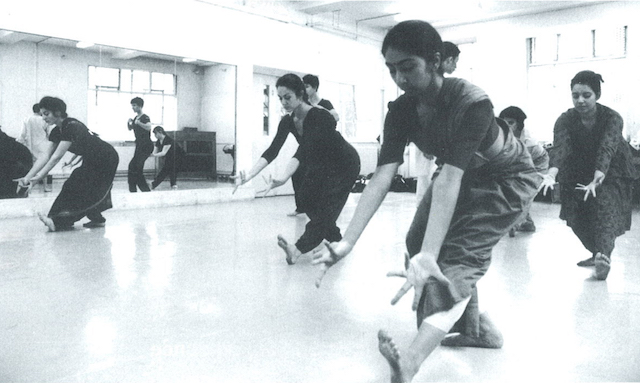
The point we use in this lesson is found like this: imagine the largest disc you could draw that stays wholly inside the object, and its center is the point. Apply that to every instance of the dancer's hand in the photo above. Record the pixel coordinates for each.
(22, 182)
(590, 189)
(328, 258)
(421, 268)
(239, 180)
(548, 182)
(272, 183)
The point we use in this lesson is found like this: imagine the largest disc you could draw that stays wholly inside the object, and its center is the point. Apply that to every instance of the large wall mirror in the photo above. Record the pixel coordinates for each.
(194, 100)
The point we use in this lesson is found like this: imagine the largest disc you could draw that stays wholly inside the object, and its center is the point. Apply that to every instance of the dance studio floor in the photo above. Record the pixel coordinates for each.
(203, 294)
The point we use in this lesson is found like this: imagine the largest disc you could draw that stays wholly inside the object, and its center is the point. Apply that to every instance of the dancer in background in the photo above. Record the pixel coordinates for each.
(450, 56)
(514, 117)
(311, 85)
(173, 154)
(593, 164)
(87, 191)
(35, 136)
(486, 181)
(141, 126)
(333, 166)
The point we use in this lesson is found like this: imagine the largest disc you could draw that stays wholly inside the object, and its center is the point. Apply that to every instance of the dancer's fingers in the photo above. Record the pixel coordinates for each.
(403, 290)
(401, 274)
(416, 297)
(323, 271)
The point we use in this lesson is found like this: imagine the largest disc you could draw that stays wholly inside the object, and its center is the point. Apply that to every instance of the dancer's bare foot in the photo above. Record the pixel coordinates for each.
(47, 221)
(291, 251)
(490, 336)
(390, 352)
(603, 265)
(294, 213)
(589, 262)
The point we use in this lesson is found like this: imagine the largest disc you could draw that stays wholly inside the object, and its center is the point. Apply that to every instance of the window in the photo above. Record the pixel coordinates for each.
(110, 93)
(578, 45)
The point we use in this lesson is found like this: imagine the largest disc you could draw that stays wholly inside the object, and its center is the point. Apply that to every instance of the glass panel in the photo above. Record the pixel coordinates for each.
(544, 49)
(163, 82)
(141, 81)
(575, 45)
(611, 41)
(125, 80)
(103, 77)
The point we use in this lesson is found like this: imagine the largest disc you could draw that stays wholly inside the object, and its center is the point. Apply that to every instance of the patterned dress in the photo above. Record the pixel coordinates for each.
(494, 192)
(577, 153)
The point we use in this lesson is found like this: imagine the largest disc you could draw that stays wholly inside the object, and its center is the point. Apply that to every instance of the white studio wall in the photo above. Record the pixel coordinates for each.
(500, 63)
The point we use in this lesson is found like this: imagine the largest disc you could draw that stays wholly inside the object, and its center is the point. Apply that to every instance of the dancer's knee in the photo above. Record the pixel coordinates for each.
(444, 320)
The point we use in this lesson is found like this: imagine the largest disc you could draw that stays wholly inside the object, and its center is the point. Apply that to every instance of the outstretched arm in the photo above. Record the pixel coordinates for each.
(292, 166)
(57, 155)
(39, 164)
(372, 196)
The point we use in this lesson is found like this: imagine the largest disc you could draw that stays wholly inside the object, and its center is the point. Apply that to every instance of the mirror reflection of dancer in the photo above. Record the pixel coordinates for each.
(485, 182)
(594, 166)
(15, 162)
(173, 155)
(35, 136)
(87, 191)
(141, 126)
(333, 166)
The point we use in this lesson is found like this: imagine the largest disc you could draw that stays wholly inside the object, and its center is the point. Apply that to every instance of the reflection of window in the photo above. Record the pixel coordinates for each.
(265, 111)
(110, 93)
(578, 44)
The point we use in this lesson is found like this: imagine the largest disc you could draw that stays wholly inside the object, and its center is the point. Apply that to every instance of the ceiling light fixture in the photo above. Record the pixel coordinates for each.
(189, 60)
(84, 44)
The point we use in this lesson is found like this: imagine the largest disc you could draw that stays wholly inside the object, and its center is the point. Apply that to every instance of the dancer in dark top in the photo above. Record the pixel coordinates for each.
(15, 162)
(311, 85)
(141, 126)
(87, 191)
(173, 155)
(594, 166)
(333, 166)
(485, 183)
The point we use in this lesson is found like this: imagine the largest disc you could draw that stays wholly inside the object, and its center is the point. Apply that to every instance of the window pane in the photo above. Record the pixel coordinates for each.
(162, 82)
(125, 80)
(611, 41)
(141, 81)
(576, 45)
(103, 77)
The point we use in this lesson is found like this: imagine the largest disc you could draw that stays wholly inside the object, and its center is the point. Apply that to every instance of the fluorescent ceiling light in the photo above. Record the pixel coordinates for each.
(84, 44)
(189, 59)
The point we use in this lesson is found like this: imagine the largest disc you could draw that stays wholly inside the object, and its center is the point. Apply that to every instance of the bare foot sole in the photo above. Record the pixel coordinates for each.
(47, 221)
(589, 262)
(603, 265)
(291, 252)
(294, 213)
(390, 352)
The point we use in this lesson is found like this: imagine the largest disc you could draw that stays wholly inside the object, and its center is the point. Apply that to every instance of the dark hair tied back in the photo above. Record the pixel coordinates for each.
(54, 105)
(589, 78)
(414, 37)
(293, 82)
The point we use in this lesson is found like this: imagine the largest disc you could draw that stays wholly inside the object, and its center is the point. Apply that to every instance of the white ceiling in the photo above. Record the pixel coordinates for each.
(382, 15)
(348, 16)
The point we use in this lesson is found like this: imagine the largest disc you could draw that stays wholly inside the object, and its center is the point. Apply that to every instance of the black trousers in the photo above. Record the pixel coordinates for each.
(323, 199)
(297, 179)
(135, 175)
(169, 168)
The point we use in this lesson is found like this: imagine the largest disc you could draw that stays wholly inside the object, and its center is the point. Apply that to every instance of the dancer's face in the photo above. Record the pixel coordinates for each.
(50, 117)
(410, 72)
(309, 89)
(584, 98)
(136, 108)
(288, 98)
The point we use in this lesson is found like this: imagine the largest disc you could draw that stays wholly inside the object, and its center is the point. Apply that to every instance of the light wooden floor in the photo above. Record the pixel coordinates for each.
(203, 294)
